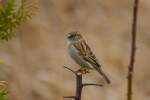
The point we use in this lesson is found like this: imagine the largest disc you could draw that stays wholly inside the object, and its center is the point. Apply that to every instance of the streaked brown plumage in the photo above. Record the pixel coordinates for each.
(82, 54)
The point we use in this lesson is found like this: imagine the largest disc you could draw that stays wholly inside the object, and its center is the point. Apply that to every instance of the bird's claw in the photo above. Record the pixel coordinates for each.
(83, 71)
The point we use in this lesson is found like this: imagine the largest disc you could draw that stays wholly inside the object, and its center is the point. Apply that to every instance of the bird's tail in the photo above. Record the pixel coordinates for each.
(103, 75)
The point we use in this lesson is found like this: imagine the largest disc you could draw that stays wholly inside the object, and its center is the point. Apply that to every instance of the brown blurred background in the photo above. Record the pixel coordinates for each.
(33, 61)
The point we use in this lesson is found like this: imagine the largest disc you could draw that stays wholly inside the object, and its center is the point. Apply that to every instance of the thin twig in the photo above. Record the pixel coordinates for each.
(70, 70)
(133, 51)
(91, 84)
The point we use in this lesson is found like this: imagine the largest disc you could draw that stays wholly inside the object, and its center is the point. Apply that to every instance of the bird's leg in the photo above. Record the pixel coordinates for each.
(83, 70)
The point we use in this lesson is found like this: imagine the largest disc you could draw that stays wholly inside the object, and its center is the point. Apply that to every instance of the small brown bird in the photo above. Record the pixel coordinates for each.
(81, 53)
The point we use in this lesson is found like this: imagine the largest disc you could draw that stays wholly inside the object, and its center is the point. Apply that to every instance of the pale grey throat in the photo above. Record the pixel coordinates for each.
(70, 41)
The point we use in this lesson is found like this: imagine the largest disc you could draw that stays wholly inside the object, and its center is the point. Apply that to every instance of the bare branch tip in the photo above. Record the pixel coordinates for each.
(70, 70)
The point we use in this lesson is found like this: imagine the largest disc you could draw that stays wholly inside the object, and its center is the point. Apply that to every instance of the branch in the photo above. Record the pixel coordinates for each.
(70, 70)
(70, 97)
(133, 51)
(91, 84)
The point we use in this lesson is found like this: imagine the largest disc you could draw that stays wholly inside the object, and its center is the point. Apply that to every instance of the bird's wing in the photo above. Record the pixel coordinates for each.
(86, 53)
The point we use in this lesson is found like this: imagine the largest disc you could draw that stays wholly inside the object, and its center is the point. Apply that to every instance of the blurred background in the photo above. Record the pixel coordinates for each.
(33, 61)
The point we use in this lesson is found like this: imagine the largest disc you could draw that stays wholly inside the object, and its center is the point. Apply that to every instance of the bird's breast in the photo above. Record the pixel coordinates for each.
(75, 55)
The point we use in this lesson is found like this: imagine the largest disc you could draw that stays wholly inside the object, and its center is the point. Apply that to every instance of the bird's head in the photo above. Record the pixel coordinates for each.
(74, 36)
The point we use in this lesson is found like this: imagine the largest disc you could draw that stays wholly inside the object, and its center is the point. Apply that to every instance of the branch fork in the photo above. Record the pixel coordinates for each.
(79, 84)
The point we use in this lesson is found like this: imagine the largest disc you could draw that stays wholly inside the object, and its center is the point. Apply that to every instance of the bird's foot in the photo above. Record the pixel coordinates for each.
(83, 70)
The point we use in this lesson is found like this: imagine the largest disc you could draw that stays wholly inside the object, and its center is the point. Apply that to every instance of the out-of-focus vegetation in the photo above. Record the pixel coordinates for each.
(12, 14)
(3, 91)
(3, 96)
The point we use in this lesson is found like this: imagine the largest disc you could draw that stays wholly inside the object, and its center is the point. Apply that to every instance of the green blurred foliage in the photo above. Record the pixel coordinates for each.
(12, 14)
(3, 96)
(3, 90)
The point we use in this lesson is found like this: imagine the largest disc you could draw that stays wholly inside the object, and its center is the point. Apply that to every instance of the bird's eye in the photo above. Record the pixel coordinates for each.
(71, 36)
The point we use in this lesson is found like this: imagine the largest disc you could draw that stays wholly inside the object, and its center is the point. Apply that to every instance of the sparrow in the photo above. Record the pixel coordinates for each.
(82, 54)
